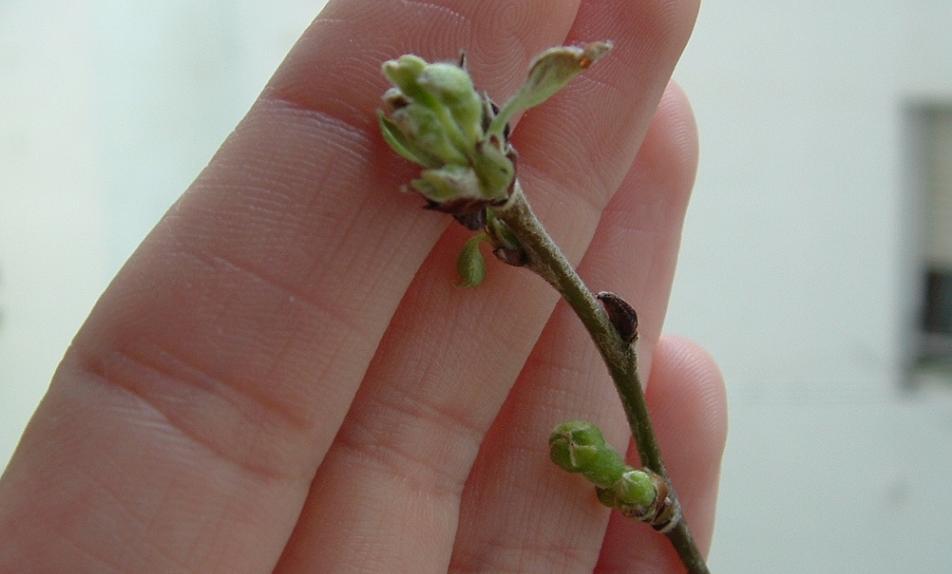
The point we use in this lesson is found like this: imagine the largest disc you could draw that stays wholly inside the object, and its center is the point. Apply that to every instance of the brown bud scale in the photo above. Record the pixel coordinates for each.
(622, 315)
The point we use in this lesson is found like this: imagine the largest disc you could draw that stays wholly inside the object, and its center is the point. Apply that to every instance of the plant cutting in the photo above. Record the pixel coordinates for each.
(434, 117)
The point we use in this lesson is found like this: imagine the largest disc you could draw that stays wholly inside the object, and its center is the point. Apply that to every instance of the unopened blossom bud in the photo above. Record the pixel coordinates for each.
(496, 170)
(447, 184)
(452, 87)
(634, 488)
(431, 133)
(578, 446)
(404, 72)
(574, 444)
(606, 468)
(434, 117)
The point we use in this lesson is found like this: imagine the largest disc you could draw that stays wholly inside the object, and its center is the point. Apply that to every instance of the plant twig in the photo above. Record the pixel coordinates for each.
(546, 259)
(434, 117)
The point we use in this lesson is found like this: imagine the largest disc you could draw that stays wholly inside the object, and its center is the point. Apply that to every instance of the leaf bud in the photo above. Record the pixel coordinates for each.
(471, 266)
(621, 315)
(634, 488)
(549, 72)
(574, 444)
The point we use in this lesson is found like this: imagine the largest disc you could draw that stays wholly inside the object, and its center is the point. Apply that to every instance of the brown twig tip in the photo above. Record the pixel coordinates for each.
(622, 315)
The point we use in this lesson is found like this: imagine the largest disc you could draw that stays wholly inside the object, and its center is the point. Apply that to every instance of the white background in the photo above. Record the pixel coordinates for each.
(798, 268)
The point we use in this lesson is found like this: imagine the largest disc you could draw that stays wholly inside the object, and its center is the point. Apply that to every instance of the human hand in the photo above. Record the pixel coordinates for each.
(197, 423)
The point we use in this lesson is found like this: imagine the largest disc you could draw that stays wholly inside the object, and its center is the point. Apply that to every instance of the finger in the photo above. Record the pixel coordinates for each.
(519, 512)
(386, 497)
(689, 409)
(184, 425)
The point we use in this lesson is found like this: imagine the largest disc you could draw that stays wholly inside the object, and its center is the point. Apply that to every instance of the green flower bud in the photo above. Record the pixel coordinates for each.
(573, 445)
(427, 134)
(395, 99)
(452, 87)
(450, 183)
(606, 468)
(398, 142)
(405, 73)
(435, 118)
(634, 488)
(578, 446)
(495, 171)
(579, 433)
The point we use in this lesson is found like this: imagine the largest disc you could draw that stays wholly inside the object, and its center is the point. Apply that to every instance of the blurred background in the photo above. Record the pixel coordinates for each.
(816, 264)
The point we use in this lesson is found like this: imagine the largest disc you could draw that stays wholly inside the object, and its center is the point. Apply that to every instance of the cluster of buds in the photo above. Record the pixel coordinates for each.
(434, 117)
(579, 447)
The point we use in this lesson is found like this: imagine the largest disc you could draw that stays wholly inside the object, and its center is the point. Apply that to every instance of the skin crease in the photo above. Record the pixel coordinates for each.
(284, 378)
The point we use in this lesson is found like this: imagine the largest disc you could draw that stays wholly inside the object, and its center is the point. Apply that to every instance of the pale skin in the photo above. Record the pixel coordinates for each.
(284, 377)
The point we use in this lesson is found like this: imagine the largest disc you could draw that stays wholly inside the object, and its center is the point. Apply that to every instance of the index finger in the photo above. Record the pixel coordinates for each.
(187, 419)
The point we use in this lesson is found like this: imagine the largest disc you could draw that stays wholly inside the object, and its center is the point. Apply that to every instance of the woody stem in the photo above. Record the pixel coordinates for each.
(546, 259)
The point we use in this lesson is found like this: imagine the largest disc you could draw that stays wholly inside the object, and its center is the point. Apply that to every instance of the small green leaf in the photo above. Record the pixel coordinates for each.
(548, 74)
(471, 265)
